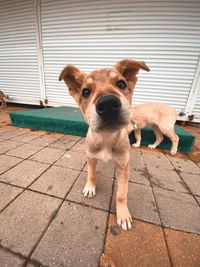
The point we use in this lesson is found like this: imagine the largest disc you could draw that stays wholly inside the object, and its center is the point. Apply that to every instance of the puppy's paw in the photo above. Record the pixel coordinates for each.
(89, 191)
(124, 218)
(152, 146)
(136, 145)
(173, 151)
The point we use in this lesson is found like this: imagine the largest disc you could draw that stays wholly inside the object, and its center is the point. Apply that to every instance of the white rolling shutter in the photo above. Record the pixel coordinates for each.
(19, 76)
(93, 34)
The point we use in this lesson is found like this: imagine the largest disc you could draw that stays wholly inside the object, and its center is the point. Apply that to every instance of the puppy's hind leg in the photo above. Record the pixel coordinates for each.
(137, 133)
(175, 140)
(90, 187)
(169, 132)
(159, 137)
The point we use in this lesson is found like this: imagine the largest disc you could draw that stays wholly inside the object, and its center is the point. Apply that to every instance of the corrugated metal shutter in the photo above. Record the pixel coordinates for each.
(19, 76)
(94, 34)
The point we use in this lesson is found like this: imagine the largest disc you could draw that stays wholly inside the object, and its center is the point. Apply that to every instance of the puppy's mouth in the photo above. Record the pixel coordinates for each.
(111, 113)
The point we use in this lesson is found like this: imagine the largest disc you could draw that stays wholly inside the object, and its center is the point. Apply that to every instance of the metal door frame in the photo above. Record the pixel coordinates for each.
(195, 90)
(39, 42)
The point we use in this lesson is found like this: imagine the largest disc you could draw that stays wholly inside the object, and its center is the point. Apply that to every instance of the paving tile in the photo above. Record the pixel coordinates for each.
(80, 146)
(143, 245)
(72, 159)
(66, 142)
(48, 155)
(9, 260)
(38, 132)
(78, 238)
(43, 140)
(56, 181)
(140, 177)
(178, 210)
(7, 162)
(184, 248)
(9, 127)
(10, 134)
(192, 181)
(54, 135)
(24, 220)
(177, 155)
(166, 178)
(2, 131)
(8, 145)
(25, 137)
(104, 168)
(103, 192)
(24, 151)
(141, 203)
(150, 150)
(7, 194)
(24, 173)
(32, 265)
(158, 160)
(185, 165)
(106, 260)
(136, 161)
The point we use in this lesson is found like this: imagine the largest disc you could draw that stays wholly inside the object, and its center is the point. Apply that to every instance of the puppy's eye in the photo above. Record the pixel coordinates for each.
(86, 92)
(121, 84)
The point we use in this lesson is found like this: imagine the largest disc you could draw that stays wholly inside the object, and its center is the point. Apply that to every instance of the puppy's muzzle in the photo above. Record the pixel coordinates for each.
(108, 107)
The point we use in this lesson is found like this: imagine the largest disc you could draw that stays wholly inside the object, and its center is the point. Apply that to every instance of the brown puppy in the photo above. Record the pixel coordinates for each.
(104, 97)
(161, 117)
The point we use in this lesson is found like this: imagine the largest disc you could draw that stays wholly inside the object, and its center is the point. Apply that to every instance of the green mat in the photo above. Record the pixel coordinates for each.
(60, 119)
(70, 120)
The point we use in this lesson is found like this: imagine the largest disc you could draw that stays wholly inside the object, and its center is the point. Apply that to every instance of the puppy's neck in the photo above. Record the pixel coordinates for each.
(105, 137)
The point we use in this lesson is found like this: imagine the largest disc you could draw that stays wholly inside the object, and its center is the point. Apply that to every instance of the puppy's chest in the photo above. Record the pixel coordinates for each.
(104, 154)
(103, 147)
(101, 150)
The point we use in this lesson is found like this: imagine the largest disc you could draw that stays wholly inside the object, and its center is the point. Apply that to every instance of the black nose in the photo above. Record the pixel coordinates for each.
(108, 107)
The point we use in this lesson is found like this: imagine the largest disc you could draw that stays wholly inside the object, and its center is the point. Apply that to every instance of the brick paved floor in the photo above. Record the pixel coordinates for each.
(46, 221)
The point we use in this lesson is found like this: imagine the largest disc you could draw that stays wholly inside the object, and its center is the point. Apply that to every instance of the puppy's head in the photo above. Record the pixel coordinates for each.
(104, 95)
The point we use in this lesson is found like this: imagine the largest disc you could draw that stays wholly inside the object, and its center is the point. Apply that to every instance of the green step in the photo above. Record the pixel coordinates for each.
(70, 120)
(65, 120)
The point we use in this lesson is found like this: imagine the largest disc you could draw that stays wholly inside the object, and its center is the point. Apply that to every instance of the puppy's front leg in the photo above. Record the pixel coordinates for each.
(89, 189)
(123, 215)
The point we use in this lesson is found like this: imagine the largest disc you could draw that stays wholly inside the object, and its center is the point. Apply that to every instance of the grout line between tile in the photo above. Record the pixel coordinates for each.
(17, 254)
(109, 211)
(187, 187)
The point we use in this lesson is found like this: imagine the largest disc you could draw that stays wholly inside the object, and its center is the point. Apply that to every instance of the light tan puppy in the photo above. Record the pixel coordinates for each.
(161, 117)
(104, 97)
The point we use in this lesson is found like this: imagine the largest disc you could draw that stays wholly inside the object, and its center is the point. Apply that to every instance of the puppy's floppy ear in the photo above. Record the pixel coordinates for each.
(73, 78)
(130, 68)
